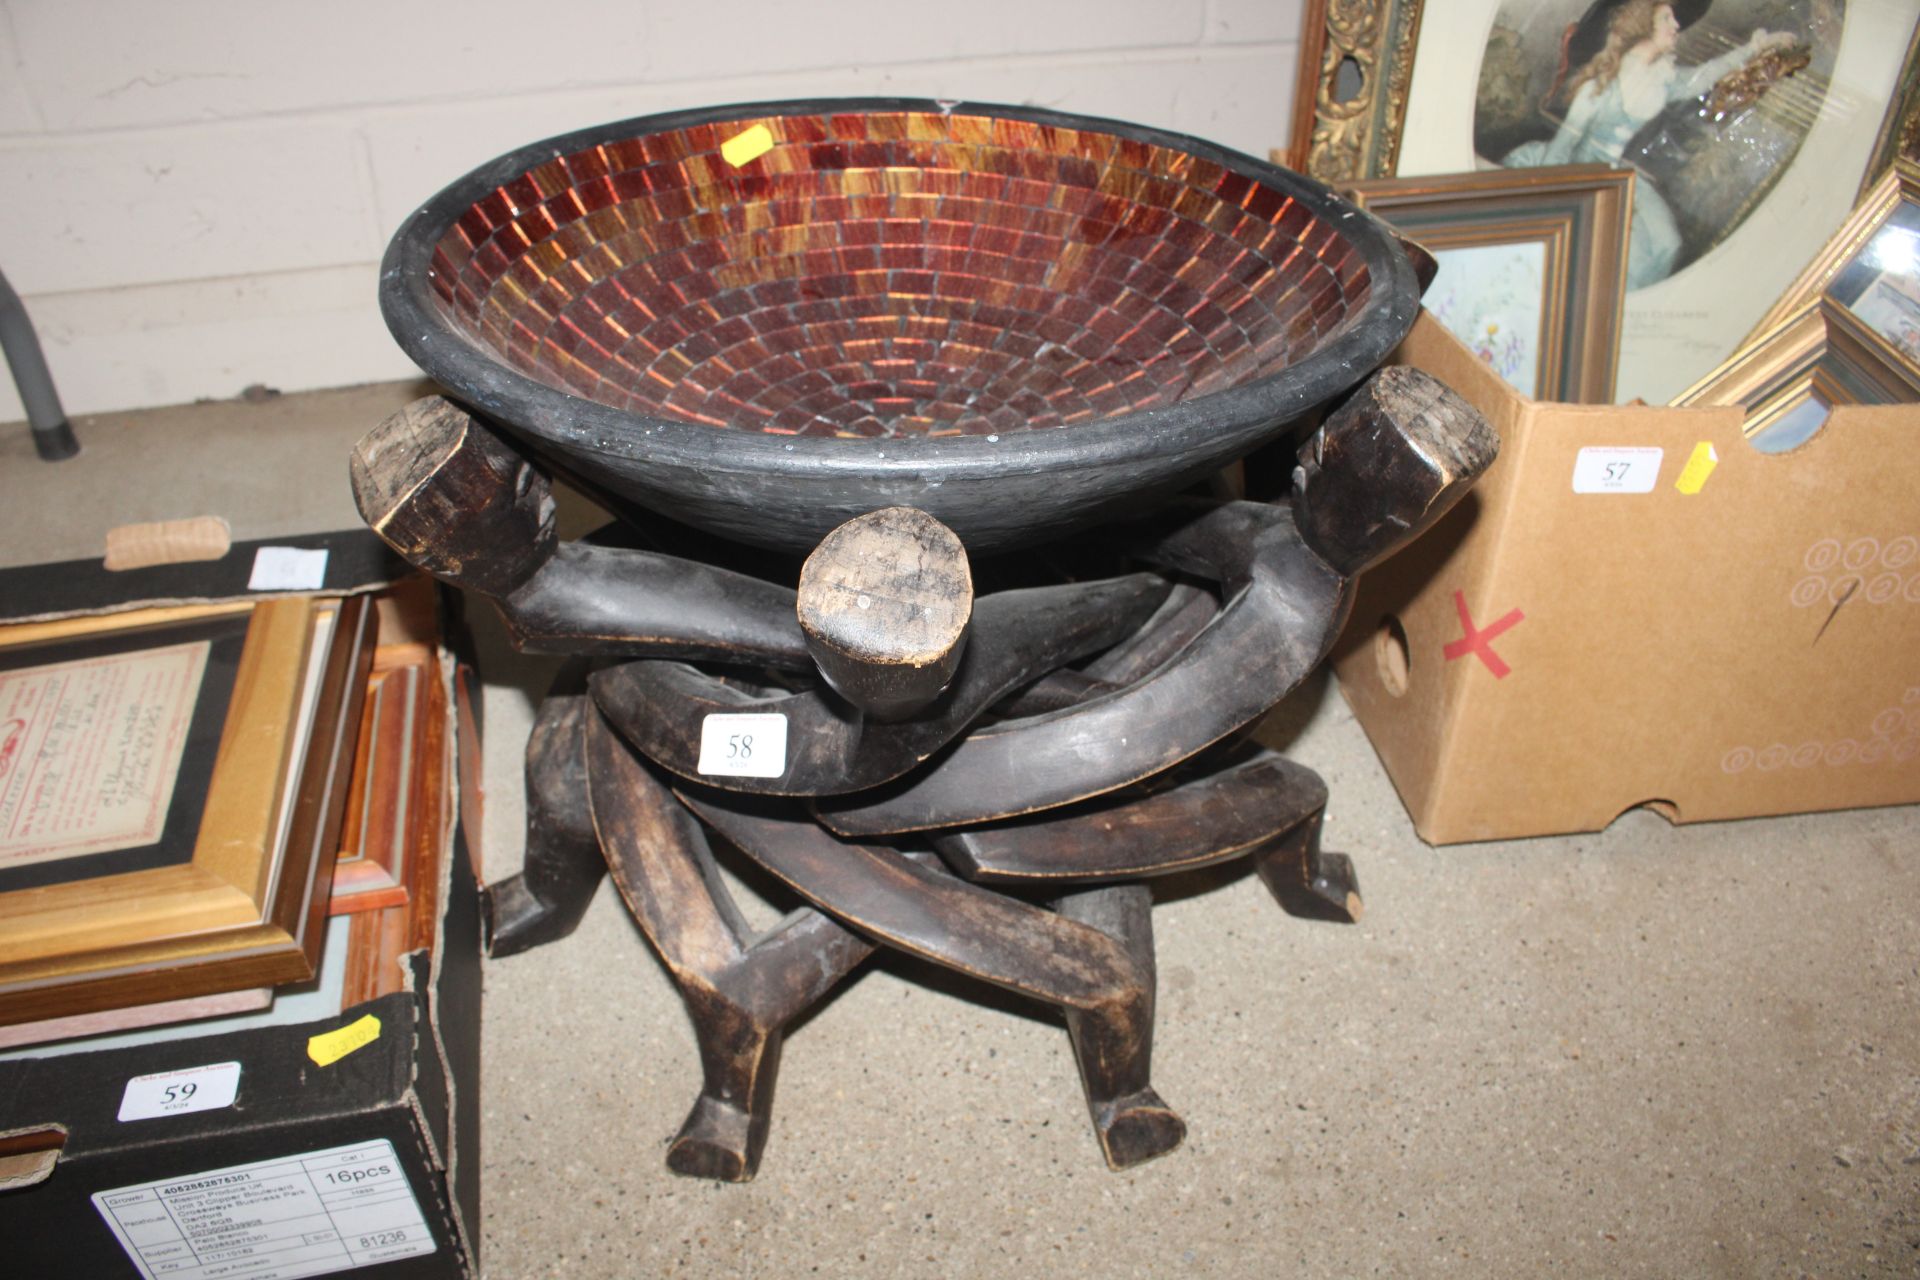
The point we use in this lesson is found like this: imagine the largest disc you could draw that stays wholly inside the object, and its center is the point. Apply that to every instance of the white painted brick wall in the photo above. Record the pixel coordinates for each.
(194, 194)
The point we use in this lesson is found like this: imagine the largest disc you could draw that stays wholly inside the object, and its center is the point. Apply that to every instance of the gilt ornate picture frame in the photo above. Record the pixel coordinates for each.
(1350, 90)
(1870, 267)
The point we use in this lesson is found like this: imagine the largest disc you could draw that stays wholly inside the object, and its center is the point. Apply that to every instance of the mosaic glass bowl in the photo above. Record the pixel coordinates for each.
(764, 320)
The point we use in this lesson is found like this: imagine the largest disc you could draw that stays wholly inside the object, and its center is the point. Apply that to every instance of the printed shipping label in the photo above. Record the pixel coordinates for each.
(744, 746)
(316, 1214)
(1625, 469)
(174, 1093)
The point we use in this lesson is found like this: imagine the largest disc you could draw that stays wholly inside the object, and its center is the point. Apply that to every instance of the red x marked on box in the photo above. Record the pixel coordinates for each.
(1478, 641)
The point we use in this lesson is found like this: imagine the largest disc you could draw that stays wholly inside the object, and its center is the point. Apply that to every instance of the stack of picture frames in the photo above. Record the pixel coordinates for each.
(1846, 332)
(217, 815)
(385, 882)
(1620, 191)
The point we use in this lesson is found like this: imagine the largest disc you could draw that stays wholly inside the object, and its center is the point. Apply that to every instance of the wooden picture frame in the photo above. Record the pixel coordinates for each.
(1350, 88)
(1558, 233)
(382, 806)
(1790, 378)
(381, 938)
(392, 766)
(1685, 314)
(242, 903)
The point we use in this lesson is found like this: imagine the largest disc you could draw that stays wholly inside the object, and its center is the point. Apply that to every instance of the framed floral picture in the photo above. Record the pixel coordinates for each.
(1750, 124)
(1531, 267)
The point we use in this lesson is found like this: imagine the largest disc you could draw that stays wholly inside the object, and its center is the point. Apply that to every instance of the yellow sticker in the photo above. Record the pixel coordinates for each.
(751, 145)
(1698, 468)
(331, 1046)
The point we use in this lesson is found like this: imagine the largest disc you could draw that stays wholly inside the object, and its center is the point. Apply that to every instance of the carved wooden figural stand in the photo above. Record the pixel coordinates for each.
(944, 754)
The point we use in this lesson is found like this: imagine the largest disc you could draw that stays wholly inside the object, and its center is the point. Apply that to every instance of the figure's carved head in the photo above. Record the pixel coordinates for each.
(1385, 465)
(453, 498)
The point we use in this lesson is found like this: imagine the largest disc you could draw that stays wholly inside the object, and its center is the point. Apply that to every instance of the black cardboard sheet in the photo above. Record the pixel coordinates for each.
(356, 561)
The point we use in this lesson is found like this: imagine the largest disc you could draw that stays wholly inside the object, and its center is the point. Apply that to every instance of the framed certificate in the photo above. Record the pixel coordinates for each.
(171, 782)
(96, 745)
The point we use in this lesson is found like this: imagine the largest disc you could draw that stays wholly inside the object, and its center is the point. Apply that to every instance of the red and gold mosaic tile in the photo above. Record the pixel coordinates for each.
(893, 273)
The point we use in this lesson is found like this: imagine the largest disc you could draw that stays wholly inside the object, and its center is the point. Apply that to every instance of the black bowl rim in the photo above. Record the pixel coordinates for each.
(578, 425)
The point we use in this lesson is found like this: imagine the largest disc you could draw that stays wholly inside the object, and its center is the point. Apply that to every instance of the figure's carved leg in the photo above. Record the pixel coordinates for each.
(739, 993)
(1096, 977)
(562, 866)
(1308, 881)
(1115, 1051)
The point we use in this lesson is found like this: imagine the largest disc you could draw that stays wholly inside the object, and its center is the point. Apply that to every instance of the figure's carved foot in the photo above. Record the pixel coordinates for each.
(719, 1141)
(1334, 883)
(563, 867)
(1136, 1128)
(726, 1130)
(1113, 1042)
(1307, 881)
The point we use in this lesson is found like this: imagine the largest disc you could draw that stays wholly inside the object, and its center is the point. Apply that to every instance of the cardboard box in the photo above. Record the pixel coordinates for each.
(71, 1165)
(387, 1103)
(276, 1151)
(1636, 607)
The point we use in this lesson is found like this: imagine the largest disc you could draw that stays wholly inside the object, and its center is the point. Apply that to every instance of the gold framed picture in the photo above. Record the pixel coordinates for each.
(170, 791)
(1792, 377)
(1532, 267)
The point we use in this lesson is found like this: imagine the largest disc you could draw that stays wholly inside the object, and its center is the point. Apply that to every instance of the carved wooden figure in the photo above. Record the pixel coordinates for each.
(453, 498)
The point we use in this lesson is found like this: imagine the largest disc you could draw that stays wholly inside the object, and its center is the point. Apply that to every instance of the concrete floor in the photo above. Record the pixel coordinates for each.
(1653, 1051)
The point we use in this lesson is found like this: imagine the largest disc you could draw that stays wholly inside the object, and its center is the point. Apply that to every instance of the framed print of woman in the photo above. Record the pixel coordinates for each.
(1748, 122)
(1620, 73)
